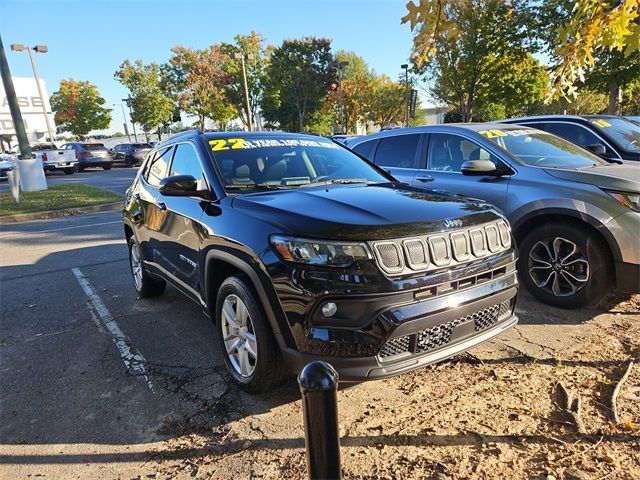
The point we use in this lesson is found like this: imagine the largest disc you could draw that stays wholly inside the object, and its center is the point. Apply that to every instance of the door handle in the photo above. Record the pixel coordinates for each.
(136, 196)
(425, 179)
(161, 206)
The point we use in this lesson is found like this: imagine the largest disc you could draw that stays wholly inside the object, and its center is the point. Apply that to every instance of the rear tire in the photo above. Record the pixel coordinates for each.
(106, 167)
(145, 285)
(565, 265)
(80, 169)
(69, 171)
(250, 351)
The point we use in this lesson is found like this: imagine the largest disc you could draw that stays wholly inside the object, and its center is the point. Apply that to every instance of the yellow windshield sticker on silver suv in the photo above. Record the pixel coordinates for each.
(493, 133)
(601, 123)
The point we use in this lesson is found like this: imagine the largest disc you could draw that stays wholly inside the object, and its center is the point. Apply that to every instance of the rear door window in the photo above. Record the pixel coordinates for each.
(157, 169)
(574, 133)
(365, 149)
(397, 151)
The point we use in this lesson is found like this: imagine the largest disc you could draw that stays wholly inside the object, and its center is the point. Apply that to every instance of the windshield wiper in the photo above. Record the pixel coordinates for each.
(338, 181)
(255, 186)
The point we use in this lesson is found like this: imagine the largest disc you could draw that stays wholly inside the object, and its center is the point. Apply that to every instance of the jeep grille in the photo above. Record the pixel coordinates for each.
(430, 252)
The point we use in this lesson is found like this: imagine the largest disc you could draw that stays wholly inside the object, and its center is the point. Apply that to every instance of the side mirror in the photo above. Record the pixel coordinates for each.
(479, 168)
(179, 186)
(598, 149)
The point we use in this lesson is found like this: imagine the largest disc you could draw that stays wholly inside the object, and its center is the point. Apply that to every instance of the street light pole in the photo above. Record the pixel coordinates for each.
(240, 55)
(405, 66)
(133, 125)
(30, 176)
(124, 117)
(40, 49)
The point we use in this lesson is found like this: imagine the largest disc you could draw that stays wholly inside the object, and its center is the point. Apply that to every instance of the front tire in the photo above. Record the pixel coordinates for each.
(106, 167)
(249, 349)
(145, 285)
(565, 265)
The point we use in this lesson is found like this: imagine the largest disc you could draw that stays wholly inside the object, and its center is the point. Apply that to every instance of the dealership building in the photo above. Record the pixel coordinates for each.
(31, 109)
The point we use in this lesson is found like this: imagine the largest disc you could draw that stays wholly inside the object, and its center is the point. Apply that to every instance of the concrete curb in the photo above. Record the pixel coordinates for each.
(67, 212)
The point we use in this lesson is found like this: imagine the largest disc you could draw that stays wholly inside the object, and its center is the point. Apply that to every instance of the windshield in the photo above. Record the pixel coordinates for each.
(275, 163)
(624, 132)
(94, 146)
(44, 146)
(542, 149)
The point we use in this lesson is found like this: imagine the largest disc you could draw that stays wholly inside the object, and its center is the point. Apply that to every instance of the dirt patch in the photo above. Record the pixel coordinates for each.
(496, 413)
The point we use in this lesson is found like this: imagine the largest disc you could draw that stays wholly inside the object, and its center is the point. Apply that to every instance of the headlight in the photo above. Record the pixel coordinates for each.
(629, 200)
(319, 252)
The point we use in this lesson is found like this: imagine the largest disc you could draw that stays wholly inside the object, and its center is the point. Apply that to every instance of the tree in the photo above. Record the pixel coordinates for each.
(197, 82)
(587, 102)
(387, 104)
(611, 74)
(79, 108)
(472, 55)
(352, 95)
(574, 32)
(298, 80)
(256, 60)
(150, 105)
(592, 28)
(521, 85)
(631, 99)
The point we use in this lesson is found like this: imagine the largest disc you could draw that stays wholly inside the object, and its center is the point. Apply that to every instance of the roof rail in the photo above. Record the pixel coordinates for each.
(188, 132)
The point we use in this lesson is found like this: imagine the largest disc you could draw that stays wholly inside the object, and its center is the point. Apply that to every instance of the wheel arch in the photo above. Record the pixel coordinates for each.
(219, 265)
(540, 217)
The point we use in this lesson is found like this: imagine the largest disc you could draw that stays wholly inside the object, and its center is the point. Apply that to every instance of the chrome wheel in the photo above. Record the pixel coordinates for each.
(558, 266)
(136, 266)
(239, 336)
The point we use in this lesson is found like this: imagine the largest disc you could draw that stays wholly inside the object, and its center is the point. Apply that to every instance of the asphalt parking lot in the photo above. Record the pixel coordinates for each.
(97, 383)
(117, 179)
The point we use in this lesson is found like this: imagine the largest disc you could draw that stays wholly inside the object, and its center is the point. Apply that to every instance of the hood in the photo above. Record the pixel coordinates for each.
(624, 177)
(359, 212)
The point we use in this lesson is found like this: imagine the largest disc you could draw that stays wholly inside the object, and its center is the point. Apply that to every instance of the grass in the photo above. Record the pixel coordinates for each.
(58, 197)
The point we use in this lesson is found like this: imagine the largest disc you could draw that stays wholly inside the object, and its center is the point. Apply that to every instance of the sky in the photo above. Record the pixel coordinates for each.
(88, 39)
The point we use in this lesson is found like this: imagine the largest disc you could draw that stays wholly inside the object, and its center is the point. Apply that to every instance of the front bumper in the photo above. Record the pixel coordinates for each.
(422, 332)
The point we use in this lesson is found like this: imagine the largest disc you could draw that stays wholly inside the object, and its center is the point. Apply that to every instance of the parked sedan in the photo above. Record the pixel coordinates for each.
(576, 217)
(130, 154)
(608, 136)
(91, 155)
(6, 165)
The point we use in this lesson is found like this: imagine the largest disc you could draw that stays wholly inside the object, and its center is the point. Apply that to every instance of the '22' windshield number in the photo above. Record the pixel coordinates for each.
(493, 133)
(223, 143)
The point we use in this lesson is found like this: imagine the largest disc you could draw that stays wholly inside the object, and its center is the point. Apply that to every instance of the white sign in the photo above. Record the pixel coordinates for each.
(30, 107)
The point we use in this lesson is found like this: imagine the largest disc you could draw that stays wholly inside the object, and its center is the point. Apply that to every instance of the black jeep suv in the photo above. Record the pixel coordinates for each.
(301, 250)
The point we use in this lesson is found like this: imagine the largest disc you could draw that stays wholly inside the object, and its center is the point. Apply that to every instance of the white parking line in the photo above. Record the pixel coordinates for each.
(59, 229)
(132, 358)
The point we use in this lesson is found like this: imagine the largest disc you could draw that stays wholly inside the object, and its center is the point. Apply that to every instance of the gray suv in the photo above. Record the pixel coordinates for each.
(576, 217)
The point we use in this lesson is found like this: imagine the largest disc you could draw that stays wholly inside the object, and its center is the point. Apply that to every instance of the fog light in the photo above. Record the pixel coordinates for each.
(329, 309)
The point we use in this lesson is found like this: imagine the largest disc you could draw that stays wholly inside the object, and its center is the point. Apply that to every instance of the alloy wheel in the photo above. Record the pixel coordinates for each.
(558, 266)
(239, 335)
(136, 266)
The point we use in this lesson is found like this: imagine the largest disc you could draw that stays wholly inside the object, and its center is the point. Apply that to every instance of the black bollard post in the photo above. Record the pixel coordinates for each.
(319, 384)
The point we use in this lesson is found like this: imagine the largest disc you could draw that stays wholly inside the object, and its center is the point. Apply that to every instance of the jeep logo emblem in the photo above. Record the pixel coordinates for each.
(449, 223)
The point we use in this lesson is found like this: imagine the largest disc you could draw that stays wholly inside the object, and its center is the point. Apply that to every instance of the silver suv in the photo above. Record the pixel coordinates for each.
(576, 217)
